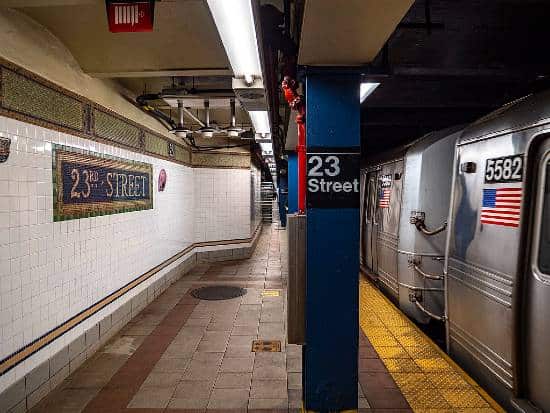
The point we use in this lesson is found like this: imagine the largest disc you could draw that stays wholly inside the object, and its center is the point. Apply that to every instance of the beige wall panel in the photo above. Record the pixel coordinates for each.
(184, 37)
(32, 46)
(347, 32)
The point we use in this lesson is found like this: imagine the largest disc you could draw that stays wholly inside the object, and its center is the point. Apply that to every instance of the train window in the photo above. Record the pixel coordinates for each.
(544, 246)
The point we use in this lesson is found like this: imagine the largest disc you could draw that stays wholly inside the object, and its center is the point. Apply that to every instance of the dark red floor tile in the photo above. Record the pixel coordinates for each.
(372, 365)
(387, 399)
(376, 380)
(367, 353)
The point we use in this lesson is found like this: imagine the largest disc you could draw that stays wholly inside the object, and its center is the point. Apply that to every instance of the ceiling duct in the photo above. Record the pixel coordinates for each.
(207, 131)
(181, 130)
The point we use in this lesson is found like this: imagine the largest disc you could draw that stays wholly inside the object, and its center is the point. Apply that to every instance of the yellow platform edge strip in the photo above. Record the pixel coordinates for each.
(367, 284)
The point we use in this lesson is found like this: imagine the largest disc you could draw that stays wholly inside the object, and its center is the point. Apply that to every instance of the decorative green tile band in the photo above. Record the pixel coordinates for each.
(26, 96)
(87, 184)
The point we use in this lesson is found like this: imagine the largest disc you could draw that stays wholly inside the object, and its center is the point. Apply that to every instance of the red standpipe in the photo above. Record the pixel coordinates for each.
(301, 150)
(296, 102)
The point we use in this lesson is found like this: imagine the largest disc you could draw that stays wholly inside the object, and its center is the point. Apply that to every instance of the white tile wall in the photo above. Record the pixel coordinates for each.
(222, 204)
(51, 271)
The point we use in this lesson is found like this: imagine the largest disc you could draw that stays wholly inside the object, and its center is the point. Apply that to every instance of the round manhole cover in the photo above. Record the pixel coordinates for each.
(218, 292)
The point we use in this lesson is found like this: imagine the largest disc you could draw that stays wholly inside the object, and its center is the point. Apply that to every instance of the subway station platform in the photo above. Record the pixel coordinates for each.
(400, 367)
(181, 354)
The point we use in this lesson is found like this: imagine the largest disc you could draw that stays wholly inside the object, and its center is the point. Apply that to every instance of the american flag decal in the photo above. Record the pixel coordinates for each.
(384, 201)
(501, 206)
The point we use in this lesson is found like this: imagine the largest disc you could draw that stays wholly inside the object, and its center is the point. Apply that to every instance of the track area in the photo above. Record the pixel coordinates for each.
(425, 375)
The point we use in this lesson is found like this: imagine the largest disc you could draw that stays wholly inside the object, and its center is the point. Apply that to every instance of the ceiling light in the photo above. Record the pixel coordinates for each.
(267, 148)
(260, 121)
(233, 131)
(207, 131)
(366, 89)
(235, 23)
(181, 130)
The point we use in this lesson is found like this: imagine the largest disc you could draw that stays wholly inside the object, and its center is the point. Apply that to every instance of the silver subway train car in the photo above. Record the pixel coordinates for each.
(495, 278)
(406, 203)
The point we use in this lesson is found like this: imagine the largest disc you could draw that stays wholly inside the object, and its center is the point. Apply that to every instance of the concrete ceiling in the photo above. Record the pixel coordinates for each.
(183, 51)
(457, 63)
(347, 33)
(184, 42)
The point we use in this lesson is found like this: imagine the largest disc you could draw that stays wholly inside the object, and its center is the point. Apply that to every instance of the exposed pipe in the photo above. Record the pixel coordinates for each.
(420, 224)
(301, 150)
(207, 131)
(180, 113)
(207, 115)
(413, 288)
(426, 275)
(233, 131)
(143, 102)
(233, 109)
(429, 313)
(426, 231)
(190, 114)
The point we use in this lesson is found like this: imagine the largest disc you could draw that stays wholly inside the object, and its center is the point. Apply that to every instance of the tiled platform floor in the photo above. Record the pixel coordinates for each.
(186, 355)
(182, 355)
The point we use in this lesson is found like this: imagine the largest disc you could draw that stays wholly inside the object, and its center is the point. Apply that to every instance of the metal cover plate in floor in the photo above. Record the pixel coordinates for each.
(266, 345)
(218, 292)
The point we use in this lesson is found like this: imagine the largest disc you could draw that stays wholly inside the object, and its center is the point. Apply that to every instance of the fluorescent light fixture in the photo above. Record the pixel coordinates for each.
(260, 121)
(235, 22)
(267, 148)
(366, 89)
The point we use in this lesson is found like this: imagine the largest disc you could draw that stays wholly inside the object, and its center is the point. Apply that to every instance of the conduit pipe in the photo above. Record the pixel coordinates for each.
(296, 102)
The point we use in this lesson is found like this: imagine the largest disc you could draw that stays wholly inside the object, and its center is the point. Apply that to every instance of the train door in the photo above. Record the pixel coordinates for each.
(537, 293)
(388, 214)
(371, 232)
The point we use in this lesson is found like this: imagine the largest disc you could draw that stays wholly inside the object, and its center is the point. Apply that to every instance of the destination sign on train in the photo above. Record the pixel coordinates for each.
(333, 178)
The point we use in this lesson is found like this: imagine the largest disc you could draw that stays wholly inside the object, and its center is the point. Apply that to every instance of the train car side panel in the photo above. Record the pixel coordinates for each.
(483, 258)
(427, 191)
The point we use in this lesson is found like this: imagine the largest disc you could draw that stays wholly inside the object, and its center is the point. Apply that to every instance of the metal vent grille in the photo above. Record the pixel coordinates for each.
(155, 144)
(28, 97)
(182, 155)
(109, 127)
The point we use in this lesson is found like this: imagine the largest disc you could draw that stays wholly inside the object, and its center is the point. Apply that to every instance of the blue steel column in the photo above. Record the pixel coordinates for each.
(330, 353)
(292, 183)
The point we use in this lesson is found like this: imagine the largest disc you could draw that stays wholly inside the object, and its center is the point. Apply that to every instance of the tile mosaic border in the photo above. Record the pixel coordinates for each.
(63, 212)
(186, 154)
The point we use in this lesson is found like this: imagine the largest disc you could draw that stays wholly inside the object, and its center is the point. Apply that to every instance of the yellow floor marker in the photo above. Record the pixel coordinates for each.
(427, 377)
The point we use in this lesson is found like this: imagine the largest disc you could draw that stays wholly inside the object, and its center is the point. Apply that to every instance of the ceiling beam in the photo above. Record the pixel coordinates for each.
(351, 34)
(165, 73)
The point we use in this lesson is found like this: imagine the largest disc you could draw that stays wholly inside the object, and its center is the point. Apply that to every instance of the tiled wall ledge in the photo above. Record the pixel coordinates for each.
(31, 387)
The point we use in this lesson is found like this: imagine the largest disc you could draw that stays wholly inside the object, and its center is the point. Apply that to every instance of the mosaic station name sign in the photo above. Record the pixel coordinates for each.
(91, 184)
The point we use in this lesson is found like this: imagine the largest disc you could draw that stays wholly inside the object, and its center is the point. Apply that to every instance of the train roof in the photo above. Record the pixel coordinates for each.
(400, 151)
(522, 113)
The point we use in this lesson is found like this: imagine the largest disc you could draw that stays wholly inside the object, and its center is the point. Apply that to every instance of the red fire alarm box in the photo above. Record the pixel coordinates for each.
(130, 16)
